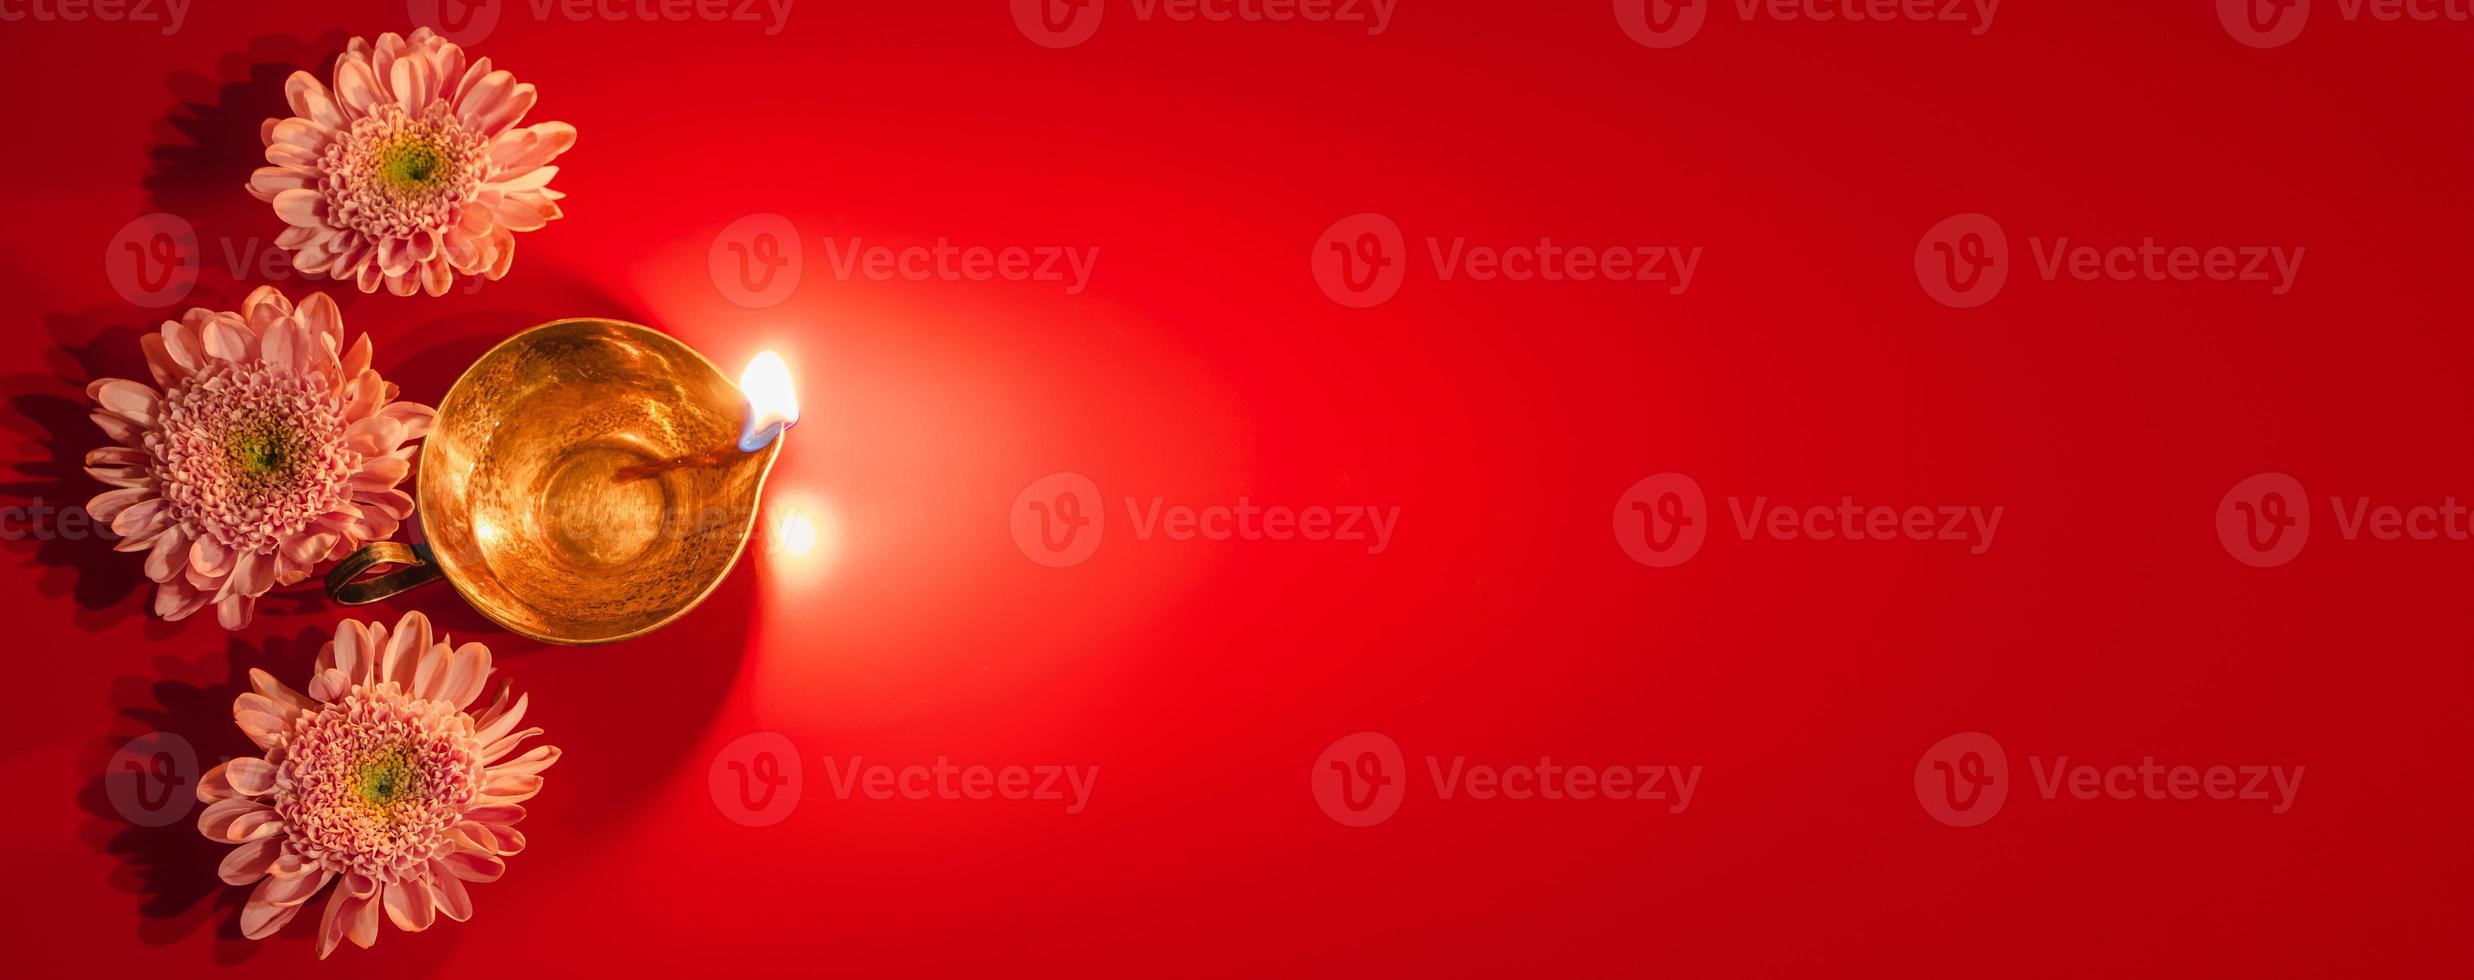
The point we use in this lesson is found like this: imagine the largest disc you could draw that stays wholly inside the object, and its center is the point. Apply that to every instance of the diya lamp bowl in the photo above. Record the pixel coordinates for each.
(586, 481)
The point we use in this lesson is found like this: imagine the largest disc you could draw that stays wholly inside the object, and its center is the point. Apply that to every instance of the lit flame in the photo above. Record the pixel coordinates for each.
(772, 402)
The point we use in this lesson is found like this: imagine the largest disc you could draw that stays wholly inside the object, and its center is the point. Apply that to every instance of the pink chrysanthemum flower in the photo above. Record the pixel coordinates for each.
(269, 448)
(382, 780)
(411, 170)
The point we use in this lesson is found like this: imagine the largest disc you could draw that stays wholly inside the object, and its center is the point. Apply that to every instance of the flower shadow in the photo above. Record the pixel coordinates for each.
(46, 521)
(208, 144)
(147, 816)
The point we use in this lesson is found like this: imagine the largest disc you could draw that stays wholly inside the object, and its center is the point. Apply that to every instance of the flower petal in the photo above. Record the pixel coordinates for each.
(518, 151)
(159, 363)
(262, 918)
(211, 559)
(301, 207)
(409, 903)
(214, 786)
(329, 685)
(170, 555)
(108, 505)
(252, 574)
(473, 865)
(467, 673)
(494, 729)
(181, 344)
(448, 892)
(228, 340)
(494, 751)
(297, 889)
(262, 719)
(178, 600)
(234, 612)
(248, 862)
(319, 316)
(251, 775)
(119, 428)
(310, 100)
(238, 819)
(514, 787)
(275, 690)
(405, 648)
(341, 912)
(540, 758)
(128, 399)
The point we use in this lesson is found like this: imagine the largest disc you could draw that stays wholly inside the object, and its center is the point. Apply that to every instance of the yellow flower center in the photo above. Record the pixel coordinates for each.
(388, 779)
(261, 453)
(412, 164)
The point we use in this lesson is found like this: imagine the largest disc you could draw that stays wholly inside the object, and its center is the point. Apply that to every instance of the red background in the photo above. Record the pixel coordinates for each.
(1504, 419)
